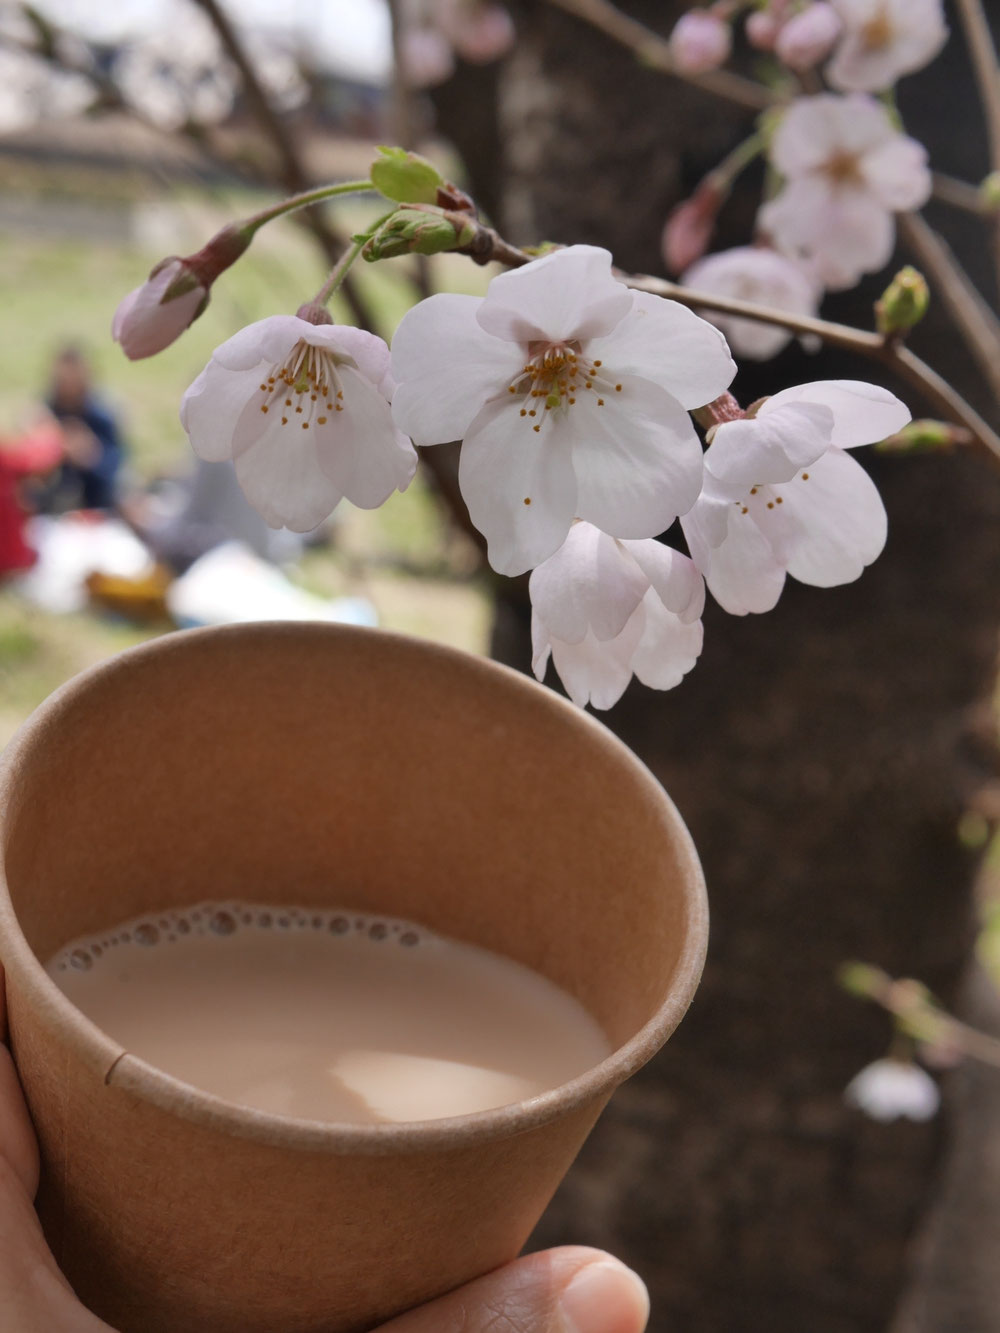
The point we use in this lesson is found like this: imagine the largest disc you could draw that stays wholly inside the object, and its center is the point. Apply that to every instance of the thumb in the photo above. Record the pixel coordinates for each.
(569, 1290)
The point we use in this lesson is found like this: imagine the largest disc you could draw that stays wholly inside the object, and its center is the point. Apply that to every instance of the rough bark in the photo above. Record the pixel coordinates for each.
(822, 756)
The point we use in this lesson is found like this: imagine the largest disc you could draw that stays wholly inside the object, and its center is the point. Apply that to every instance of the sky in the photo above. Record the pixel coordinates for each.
(347, 36)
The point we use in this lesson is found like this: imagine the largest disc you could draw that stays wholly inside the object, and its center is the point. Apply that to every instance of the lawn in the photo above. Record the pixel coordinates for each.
(61, 288)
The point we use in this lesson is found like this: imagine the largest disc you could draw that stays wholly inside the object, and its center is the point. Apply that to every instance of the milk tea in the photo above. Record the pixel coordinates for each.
(327, 1015)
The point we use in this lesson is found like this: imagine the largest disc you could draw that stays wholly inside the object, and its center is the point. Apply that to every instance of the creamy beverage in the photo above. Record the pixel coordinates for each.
(328, 1015)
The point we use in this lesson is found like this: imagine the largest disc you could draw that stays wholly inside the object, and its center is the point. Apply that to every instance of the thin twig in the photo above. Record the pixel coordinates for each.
(983, 54)
(978, 324)
(403, 123)
(871, 345)
(653, 50)
(923, 1019)
(959, 194)
(294, 174)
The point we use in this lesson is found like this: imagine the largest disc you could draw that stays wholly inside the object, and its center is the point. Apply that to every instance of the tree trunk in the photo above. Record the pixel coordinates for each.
(822, 756)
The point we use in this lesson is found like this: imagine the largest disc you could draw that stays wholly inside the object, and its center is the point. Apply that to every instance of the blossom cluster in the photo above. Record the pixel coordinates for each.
(840, 163)
(572, 396)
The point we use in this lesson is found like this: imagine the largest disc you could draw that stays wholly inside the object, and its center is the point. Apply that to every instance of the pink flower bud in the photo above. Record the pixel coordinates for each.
(689, 228)
(155, 314)
(700, 41)
(762, 29)
(426, 57)
(808, 37)
(479, 30)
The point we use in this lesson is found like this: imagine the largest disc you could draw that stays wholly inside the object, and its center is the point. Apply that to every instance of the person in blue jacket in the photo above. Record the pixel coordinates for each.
(94, 450)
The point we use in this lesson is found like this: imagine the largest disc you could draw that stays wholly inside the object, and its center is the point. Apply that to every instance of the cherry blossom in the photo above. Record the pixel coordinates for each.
(782, 496)
(146, 322)
(883, 40)
(808, 36)
(760, 275)
(302, 410)
(888, 1089)
(700, 41)
(571, 394)
(847, 169)
(762, 28)
(480, 31)
(607, 609)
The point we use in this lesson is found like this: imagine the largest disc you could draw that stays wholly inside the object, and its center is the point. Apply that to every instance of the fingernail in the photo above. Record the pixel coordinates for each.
(604, 1297)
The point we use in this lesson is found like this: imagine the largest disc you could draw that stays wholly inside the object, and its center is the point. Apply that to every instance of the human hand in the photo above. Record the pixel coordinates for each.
(569, 1290)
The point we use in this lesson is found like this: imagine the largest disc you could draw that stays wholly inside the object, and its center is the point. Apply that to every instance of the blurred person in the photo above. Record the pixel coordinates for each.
(192, 515)
(92, 442)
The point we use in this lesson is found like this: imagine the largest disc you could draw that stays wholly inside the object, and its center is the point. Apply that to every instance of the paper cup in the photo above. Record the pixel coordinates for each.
(319, 765)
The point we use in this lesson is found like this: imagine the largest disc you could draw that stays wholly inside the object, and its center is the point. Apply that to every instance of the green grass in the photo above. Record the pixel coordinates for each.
(64, 290)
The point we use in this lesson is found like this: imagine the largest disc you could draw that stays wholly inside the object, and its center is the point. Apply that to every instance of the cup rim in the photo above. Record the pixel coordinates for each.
(119, 1068)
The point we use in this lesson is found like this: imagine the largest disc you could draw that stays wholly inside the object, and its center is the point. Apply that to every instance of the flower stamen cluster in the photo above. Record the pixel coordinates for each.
(310, 371)
(556, 373)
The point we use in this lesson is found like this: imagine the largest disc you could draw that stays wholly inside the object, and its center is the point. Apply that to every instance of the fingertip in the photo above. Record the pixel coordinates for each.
(604, 1296)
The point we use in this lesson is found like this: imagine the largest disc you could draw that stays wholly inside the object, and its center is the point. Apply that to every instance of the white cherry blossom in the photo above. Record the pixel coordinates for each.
(757, 274)
(847, 170)
(888, 1089)
(782, 496)
(607, 609)
(302, 410)
(571, 394)
(883, 40)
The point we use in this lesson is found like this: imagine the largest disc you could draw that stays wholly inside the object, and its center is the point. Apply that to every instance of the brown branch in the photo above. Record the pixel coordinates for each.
(983, 54)
(888, 352)
(978, 324)
(293, 173)
(654, 51)
(960, 194)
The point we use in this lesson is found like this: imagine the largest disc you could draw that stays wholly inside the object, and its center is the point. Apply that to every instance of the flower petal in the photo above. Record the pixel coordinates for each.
(743, 575)
(862, 413)
(772, 446)
(569, 294)
(519, 486)
(637, 459)
(359, 448)
(814, 128)
(841, 232)
(267, 340)
(897, 174)
(839, 518)
(599, 673)
(589, 584)
(675, 579)
(368, 352)
(668, 648)
(280, 473)
(670, 345)
(446, 368)
(213, 405)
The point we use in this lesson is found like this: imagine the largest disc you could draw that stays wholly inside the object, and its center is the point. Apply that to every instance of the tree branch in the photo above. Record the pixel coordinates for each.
(983, 54)
(293, 172)
(891, 354)
(975, 320)
(654, 51)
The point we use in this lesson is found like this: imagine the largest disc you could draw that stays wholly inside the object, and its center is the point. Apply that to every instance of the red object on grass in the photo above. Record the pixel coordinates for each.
(37, 452)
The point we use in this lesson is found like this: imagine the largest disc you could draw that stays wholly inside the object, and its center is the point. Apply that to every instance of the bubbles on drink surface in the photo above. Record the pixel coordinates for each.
(224, 919)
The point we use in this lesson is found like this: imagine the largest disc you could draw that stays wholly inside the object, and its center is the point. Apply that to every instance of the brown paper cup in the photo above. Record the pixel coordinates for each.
(330, 767)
